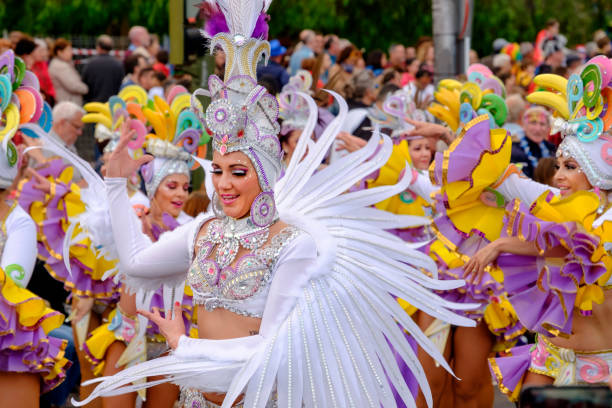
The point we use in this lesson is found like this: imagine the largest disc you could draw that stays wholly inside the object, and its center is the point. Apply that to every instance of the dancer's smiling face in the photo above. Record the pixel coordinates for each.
(236, 183)
(172, 193)
(569, 178)
(420, 153)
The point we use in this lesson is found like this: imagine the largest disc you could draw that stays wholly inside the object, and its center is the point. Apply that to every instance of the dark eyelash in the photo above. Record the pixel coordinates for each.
(239, 173)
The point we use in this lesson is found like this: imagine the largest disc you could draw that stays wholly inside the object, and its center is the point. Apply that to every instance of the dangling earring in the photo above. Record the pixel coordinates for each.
(263, 209)
(216, 206)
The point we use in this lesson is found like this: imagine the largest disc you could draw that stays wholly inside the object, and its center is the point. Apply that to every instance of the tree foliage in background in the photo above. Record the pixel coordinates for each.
(368, 23)
(83, 17)
(520, 20)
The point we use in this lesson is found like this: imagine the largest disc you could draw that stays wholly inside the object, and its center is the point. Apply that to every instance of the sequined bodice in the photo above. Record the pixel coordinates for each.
(239, 286)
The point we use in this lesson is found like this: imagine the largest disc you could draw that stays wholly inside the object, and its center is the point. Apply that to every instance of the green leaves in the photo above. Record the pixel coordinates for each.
(83, 17)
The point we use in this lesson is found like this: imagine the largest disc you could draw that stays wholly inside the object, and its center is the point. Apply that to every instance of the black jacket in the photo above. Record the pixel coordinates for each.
(103, 75)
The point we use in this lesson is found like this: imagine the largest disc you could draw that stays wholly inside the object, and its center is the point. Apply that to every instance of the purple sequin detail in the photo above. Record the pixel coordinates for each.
(263, 173)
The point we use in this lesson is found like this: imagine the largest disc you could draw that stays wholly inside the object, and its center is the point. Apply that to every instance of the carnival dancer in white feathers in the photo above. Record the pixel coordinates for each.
(292, 280)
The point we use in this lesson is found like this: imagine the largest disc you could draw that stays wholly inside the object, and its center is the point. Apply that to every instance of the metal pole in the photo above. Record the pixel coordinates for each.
(445, 33)
(465, 12)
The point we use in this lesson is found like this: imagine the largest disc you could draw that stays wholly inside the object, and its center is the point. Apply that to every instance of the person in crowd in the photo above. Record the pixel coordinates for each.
(349, 61)
(320, 73)
(516, 107)
(554, 56)
(550, 31)
(66, 80)
(274, 68)
(397, 57)
(332, 47)
(502, 66)
(474, 58)
(153, 48)
(573, 62)
(590, 49)
(24, 49)
(544, 172)
(319, 44)
(499, 44)
(159, 80)
(102, 73)
(132, 65)
(526, 49)
(40, 67)
(14, 37)
(67, 125)
(219, 62)
(410, 52)
(364, 102)
(376, 61)
(67, 130)
(421, 90)
(305, 51)
(421, 48)
(429, 57)
(391, 76)
(152, 81)
(533, 145)
(161, 62)
(605, 48)
(5, 45)
(412, 67)
(140, 39)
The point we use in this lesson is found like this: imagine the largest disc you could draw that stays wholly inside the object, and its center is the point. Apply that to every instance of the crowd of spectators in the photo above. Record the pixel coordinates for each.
(97, 78)
(361, 77)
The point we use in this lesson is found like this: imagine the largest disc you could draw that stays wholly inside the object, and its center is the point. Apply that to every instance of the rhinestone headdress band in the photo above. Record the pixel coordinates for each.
(242, 115)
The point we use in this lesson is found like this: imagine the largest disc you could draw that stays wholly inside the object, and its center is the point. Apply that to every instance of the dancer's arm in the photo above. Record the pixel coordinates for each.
(486, 256)
(19, 255)
(169, 258)
(514, 185)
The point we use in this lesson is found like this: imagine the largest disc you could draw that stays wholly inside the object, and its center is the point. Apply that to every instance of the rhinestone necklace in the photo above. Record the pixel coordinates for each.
(229, 234)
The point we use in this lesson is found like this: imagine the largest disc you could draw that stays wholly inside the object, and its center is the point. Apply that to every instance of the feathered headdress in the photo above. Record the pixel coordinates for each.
(294, 109)
(483, 94)
(168, 130)
(21, 106)
(582, 106)
(242, 115)
(396, 108)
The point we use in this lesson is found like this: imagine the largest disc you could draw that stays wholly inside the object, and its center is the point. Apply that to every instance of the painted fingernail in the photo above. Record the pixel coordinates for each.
(177, 304)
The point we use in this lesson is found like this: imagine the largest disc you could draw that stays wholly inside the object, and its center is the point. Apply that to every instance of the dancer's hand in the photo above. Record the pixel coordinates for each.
(35, 154)
(83, 306)
(120, 163)
(348, 142)
(171, 329)
(426, 129)
(475, 268)
(41, 183)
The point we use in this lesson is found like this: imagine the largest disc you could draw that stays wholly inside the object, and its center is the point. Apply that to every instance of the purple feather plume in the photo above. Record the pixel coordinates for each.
(216, 23)
(261, 27)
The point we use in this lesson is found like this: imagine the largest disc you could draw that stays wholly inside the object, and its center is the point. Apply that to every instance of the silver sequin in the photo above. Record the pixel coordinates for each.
(217, 284)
